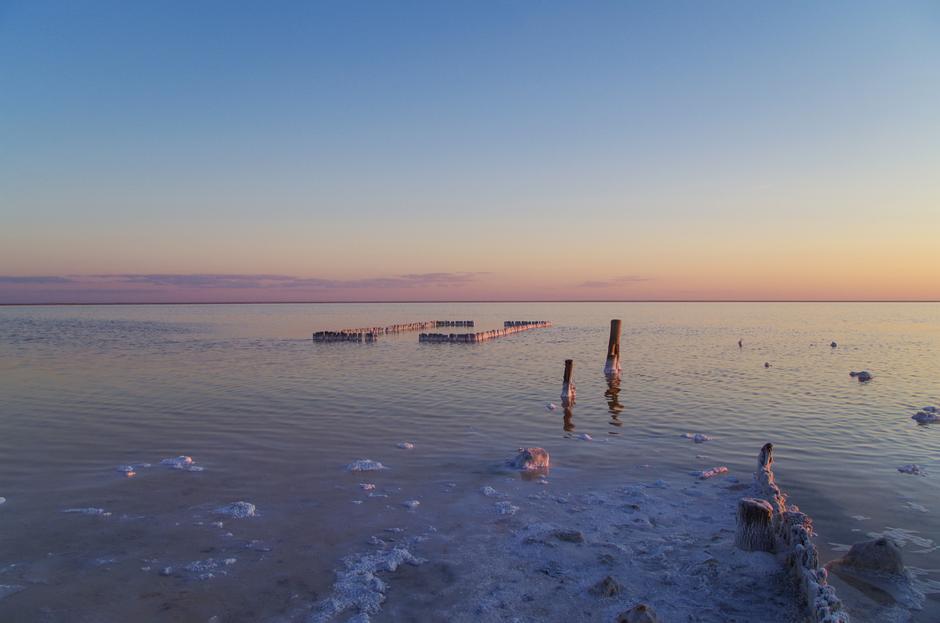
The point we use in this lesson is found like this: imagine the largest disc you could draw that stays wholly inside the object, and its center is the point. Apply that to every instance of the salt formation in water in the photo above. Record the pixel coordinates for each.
(411, 504)
(585, 437)
(406, 445)
(364, 465)
(8, 589)
(182, 462)
(88, 511)
(488, 491)
(710, 473)
(505, 508)
(697, 437)
(3, 500)
(367, 486)
(357, 586)
(927, 415)
(531, 459)
(862, 376)
(913, 468)
(551, 406)
(878, 563)
(208, 568)
(237, 510)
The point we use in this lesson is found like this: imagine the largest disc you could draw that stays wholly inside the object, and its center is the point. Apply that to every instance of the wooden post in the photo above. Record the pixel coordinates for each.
(755, 525)
(567, 388)
(613, 348)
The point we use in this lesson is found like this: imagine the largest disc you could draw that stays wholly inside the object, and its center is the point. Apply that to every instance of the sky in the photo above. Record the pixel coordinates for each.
(382, 151)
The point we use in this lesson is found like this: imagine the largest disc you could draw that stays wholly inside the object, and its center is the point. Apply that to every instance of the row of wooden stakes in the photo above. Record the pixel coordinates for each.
(370, 334)
(509, 327)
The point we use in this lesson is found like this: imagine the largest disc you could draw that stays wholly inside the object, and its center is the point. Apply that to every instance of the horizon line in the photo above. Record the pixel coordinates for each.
(412, 302)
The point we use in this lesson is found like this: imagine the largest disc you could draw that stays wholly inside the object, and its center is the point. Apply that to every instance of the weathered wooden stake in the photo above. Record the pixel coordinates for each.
(567, 388)
(613, 348)
(755, 525)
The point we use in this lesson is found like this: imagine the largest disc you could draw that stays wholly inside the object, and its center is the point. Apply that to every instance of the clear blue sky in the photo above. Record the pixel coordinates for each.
(699, 149)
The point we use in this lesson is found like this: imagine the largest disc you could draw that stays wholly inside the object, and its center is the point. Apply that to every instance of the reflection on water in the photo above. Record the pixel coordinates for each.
(274, 418)
(612, 393)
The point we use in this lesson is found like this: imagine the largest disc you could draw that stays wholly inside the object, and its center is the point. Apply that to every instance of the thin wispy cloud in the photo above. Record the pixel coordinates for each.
(614, 281)
(201, 281)
(41, 280)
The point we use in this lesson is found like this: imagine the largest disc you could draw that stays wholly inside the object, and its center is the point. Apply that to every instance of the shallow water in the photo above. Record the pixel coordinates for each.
(274, 418)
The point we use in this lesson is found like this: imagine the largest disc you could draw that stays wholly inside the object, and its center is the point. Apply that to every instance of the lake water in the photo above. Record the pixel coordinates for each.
(273, 418)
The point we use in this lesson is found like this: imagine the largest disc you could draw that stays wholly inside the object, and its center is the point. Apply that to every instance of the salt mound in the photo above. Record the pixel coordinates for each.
(88, 511)
(913, 468)
(709, 473)
(505, 508)
(697, 437)
(237, 510)
(364, 465)
(406, 445)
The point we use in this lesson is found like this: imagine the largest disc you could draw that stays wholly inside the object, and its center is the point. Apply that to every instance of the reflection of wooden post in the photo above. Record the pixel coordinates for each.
(613, 348)
(567, 388)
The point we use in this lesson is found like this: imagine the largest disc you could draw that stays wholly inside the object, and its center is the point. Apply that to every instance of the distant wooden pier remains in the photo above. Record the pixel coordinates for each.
(370, 334)
(509, 327)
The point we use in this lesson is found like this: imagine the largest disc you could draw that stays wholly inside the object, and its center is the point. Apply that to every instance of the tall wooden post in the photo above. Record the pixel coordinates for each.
(613, 348)
(567, 388)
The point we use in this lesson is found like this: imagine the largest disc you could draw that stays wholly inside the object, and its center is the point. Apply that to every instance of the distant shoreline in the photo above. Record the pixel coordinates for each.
(124, 303)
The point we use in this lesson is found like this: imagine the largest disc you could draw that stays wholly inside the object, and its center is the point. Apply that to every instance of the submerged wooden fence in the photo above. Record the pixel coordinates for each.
(370, 334)
(509, 327)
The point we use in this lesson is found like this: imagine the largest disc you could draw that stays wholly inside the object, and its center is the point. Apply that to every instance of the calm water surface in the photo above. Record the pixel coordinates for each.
(273, 418)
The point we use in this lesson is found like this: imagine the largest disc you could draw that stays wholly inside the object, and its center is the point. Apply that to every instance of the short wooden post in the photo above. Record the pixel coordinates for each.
(613, 348)
(567, 388)
(755, 525)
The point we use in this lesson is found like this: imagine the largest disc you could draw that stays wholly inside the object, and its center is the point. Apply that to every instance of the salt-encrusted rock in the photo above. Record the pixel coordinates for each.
(608, 587)
(913, 468)
(862, 376)
(237, 510)
(505, 508)
(569, 536)
(3, 500)
(881, 555)
(585, 437)
(640, 613)
(488, 491)
(411, 504)
(551, 406)
(531, 459)
(925, 417)
(711, 473)
(367, 486)
(755, 525)
(697, 437)
(406, 445)
(364, 465)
